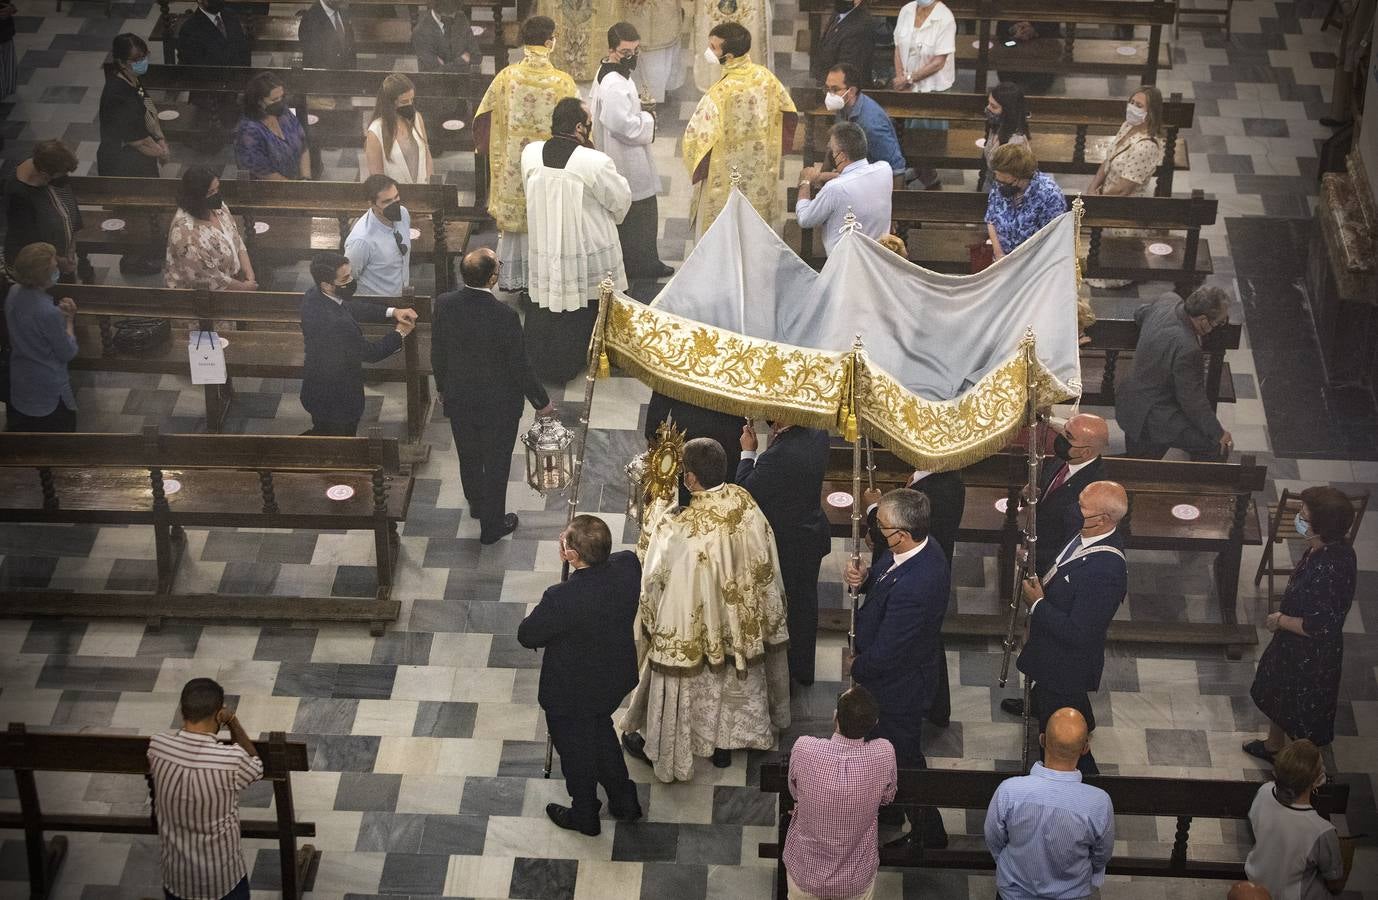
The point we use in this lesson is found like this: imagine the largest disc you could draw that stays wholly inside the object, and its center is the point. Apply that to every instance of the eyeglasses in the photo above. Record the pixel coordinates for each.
(628, 54)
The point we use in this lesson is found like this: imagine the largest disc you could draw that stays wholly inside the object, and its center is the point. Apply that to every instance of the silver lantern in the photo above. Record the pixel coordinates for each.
(549, 455)
(636, 486)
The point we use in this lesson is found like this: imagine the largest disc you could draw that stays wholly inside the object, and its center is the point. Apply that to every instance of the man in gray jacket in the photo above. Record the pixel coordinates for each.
(1163, 402)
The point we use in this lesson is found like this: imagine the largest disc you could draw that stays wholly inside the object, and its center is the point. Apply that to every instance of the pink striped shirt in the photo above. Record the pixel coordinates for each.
(196, 785)
(838, 784)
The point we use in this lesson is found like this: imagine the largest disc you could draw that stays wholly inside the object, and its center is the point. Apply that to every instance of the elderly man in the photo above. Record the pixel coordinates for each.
(861, 188)
(1050, 834)
(1163, 403)
(1070, 608)
(843, 96)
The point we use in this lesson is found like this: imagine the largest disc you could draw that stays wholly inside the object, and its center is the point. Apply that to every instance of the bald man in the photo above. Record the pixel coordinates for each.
(1247, 890)
(1050, 834)
(1070, 609)
(482, 374)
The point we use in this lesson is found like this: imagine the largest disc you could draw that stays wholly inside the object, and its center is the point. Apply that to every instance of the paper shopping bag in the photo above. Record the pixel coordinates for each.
(207, 354)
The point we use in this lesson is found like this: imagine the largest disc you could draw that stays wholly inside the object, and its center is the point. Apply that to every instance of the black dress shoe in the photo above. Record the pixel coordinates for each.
(564, 817)
(626, 812)
(663, 271)
(1012, 705)
(722, 758)
(509, 525)
(635, 745)
(1329, 122)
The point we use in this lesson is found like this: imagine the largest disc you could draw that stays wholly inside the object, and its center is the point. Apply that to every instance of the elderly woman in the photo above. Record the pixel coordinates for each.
(1022, 199)
(1296, 852)
(1298, 679)
(269, 142)
(42, 341)
(40, 208)
(395, 144)
(204, 247)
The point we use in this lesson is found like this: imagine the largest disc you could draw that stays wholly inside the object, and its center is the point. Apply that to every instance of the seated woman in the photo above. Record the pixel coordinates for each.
(1132, 159)
(1007, 120)
(395, 144)
(39, 207)
(1296, 852)
(204, 247)
(269, 142)
(1022, 200)
(43, 341)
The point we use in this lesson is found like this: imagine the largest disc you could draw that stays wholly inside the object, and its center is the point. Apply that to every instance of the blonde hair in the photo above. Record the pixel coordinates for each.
(33, 266)
(385, 110)
(1014, 159)
(1296, 768)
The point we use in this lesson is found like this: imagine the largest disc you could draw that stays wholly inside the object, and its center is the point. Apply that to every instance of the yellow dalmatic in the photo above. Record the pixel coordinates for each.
(514, 112)
(745, 121)
(581, 33)
(753, 15)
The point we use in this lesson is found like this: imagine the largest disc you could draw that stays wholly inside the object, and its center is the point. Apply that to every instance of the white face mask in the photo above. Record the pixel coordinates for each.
(1135, 115)
(711, 57)
(834, 102)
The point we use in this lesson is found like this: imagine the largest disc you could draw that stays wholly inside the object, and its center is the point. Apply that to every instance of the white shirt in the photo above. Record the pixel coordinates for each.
(214, 17)
(334, 17)
(439, 21)
(395, 163)
(624, 131)
(917, 47)
(902, 558)
(863, 186)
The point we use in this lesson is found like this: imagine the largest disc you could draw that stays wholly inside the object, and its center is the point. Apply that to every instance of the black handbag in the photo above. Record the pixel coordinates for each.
(141, 335)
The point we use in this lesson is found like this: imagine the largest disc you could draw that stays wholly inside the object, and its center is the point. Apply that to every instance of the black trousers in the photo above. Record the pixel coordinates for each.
(589, 756)
(322, 428)
(1197, 445)
(799, 571)
(637, 233)
(61, 420)
(1047, 701)
(483, 442)
(905, 732)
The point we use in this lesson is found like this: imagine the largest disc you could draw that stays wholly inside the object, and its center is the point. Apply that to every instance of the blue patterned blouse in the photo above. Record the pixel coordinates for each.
(1016, 220)
(261, 153)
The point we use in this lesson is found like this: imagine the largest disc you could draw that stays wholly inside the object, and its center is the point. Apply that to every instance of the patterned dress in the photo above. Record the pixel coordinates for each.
(1298, 679)
(1016, 220)
(203, 255)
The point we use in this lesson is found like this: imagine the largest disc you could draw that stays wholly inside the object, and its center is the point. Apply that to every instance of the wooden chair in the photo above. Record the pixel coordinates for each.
(1218, 11)
(1282, 527)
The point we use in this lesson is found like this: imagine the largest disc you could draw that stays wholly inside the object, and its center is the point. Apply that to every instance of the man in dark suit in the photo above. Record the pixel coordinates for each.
(897, 653)
(482, 374)
(332, 381)
(585, 625)
(326, 36)
(786, 481)
(1077, 462)
(443, 40)
(1163, 403)
(1070, 608)
(849, 37)
(697, 422)
(213, 36)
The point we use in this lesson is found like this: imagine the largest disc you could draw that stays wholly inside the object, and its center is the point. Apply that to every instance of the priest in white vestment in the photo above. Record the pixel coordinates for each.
(661, 24)
(575, 199)
(712, 624)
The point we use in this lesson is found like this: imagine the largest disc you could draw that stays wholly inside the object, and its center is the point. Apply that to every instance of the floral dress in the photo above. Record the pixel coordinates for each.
(203, 255)
(1297, 683)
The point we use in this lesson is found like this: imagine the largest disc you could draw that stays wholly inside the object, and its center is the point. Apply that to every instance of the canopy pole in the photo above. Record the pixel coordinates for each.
(597, 365)
(855, 545)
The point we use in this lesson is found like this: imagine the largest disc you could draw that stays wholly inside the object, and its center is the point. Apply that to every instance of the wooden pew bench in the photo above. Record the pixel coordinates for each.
(1110, 356)
(1184, 799)
(222, 481)
(1223, 493)
(25, 753)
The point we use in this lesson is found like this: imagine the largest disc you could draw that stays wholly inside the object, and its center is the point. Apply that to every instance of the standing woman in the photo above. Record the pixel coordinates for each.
(42, 341)
(204, 247)
(131, 140)
(1007, 120)
(269, 142)
(1297, 683)
(9, 69)
(395, 144)
(925, 60)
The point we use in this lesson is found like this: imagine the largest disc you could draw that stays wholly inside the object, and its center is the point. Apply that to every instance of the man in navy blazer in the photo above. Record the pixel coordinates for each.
(332, 381)
(1070, 608)
(786, 481)
(898, 651)
(326, 36)
(586, 626)
(1076, 463)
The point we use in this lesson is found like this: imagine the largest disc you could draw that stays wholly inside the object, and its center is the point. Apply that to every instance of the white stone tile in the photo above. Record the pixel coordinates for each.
(468, 756)
(408, 755)
(681, 802)
(112, 638)
(483, 685)
(487, 876)
(433, 794)
(517, 836)
(508, 721)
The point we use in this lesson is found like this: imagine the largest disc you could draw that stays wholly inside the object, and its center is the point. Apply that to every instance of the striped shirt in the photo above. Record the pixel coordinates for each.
(196, 785)
(1051, 835)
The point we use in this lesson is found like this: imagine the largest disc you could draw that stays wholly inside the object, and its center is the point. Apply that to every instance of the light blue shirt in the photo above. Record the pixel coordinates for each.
(1051, 835)
(381, 269)
(40, 349)
(882, 145)
(863, 186)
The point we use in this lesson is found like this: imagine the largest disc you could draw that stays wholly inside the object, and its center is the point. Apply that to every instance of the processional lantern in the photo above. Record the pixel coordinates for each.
(549, 455)
(636, 486)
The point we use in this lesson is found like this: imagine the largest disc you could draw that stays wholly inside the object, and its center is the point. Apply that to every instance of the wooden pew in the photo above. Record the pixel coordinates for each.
(24, 753)
(1222, 492)
(1112, 347)
(270, 346)
(303, 217)
(1067, 55)
(1062, 128)
(1182, 798)
(222, 481)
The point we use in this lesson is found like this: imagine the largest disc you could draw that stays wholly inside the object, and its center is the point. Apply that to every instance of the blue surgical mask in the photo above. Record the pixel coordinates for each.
(55, 277)
(140, 67)
(1303, 527)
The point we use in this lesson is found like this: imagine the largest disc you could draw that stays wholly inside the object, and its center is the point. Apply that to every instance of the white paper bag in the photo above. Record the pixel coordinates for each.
(207, 354)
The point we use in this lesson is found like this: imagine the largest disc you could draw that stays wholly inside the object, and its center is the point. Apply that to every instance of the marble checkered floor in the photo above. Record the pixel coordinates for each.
(426, 743)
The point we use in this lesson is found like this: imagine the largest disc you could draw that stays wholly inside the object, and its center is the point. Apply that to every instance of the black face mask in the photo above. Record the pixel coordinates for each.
(1062, 448)
(215, 7)
(407, 112)
(58, 181)
(393, 211)
(215, 201)
(627, 65)
(345, 291)
(276, 109)
(1008, 191)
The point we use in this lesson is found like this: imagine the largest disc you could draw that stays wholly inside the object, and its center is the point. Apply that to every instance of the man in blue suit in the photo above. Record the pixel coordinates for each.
(332, 381)
(1070, 608)
(898, 652)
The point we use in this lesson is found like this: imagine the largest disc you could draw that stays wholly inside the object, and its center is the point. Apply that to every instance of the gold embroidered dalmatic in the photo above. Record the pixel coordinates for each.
(514, 112)
(581, 33)
(744, 121)
(753, 15)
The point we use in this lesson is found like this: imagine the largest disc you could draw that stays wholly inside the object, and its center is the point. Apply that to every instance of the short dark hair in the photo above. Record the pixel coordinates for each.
(568, 115)
(707, 460)
(850, 139)
(53, 158)
(537, 30)
(857, 712)
(376, 184)
(256, 91)
(477, 268)
(908, 509)
(201, 699)
(123, 48)
(850, 76)
(589, 537)
(735, 38)
(324, 266)
(1331, 512)
(622, 31)
(191, 197)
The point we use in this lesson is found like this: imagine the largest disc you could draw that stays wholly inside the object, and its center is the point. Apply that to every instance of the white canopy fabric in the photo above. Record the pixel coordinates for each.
(747, 327)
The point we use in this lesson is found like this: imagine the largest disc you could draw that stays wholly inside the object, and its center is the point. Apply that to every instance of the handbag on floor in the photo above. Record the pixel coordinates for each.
(141, 335)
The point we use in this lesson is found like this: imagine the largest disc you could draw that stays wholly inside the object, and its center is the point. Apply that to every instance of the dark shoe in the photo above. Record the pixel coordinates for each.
(564, 817)
(805, 682)
(509, 525)
(936, 722)
(635, 745)
(722, 758)
(1259, 750)
(1329, 122)
(628, 812)
(663, 271)
(1012, 705)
